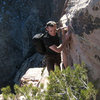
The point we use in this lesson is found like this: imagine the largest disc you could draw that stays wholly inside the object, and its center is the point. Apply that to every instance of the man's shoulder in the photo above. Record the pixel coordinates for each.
(48, 40)
(47, 36)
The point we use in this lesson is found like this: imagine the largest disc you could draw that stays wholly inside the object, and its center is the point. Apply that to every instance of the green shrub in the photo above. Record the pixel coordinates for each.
(68, 84)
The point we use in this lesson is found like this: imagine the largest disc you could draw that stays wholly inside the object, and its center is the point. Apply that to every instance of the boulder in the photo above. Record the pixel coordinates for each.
(84, 19)
(32, 76)
(35, 76)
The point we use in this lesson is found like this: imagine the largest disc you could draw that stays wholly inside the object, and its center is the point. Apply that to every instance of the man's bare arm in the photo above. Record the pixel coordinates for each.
(57, 49)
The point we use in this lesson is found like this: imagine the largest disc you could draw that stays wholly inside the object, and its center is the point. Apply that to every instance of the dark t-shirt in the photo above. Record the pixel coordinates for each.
(49, 41)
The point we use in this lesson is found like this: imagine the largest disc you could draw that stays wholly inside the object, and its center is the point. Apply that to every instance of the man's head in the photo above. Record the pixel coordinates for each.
(51, 27)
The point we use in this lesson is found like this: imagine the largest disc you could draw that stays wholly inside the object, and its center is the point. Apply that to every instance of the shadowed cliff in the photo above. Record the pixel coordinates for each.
(19, 21)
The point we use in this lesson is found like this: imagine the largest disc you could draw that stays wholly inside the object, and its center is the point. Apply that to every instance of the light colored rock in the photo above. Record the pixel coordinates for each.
(84, 19)
(44, 79)
(35, 76)
(32, 75)
(1, 97)
(21, 98)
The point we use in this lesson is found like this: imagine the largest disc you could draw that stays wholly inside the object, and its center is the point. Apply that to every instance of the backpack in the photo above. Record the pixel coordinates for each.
(39, 43)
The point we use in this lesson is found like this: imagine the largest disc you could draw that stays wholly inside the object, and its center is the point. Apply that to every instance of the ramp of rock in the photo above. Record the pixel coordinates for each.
(35, 76)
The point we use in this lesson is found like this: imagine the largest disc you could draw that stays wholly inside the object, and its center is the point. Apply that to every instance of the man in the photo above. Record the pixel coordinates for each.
(53, 46)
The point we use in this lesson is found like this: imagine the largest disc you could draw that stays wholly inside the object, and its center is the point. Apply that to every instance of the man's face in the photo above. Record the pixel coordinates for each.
(52, 30)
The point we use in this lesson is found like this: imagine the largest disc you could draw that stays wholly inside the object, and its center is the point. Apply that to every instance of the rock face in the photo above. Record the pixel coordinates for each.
(32, 76)
(35, 76)
(84, 19)
(19, 21)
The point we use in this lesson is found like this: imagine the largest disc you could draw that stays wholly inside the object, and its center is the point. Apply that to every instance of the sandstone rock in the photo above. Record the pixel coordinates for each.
(32, 76)
(1, 97)
(35, 76)
(84, 18)
(44, 79)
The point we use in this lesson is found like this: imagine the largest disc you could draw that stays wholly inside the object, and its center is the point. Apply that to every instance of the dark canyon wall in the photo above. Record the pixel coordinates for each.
(19, 21)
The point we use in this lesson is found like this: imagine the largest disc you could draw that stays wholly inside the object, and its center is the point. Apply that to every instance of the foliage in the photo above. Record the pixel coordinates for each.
(68, 84)
(26, 92)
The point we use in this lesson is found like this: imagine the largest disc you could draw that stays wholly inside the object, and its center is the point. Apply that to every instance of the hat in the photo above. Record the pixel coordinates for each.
(51, 23)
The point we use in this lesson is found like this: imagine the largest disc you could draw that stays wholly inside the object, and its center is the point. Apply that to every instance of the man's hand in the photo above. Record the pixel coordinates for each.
(64, 30)
(67, 36)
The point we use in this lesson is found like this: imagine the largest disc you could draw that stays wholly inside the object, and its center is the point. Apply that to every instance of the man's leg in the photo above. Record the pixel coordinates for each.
(50, 64)
(58, 61)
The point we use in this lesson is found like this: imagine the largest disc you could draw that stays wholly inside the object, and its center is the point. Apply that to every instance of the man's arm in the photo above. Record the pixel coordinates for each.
(57, 49)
